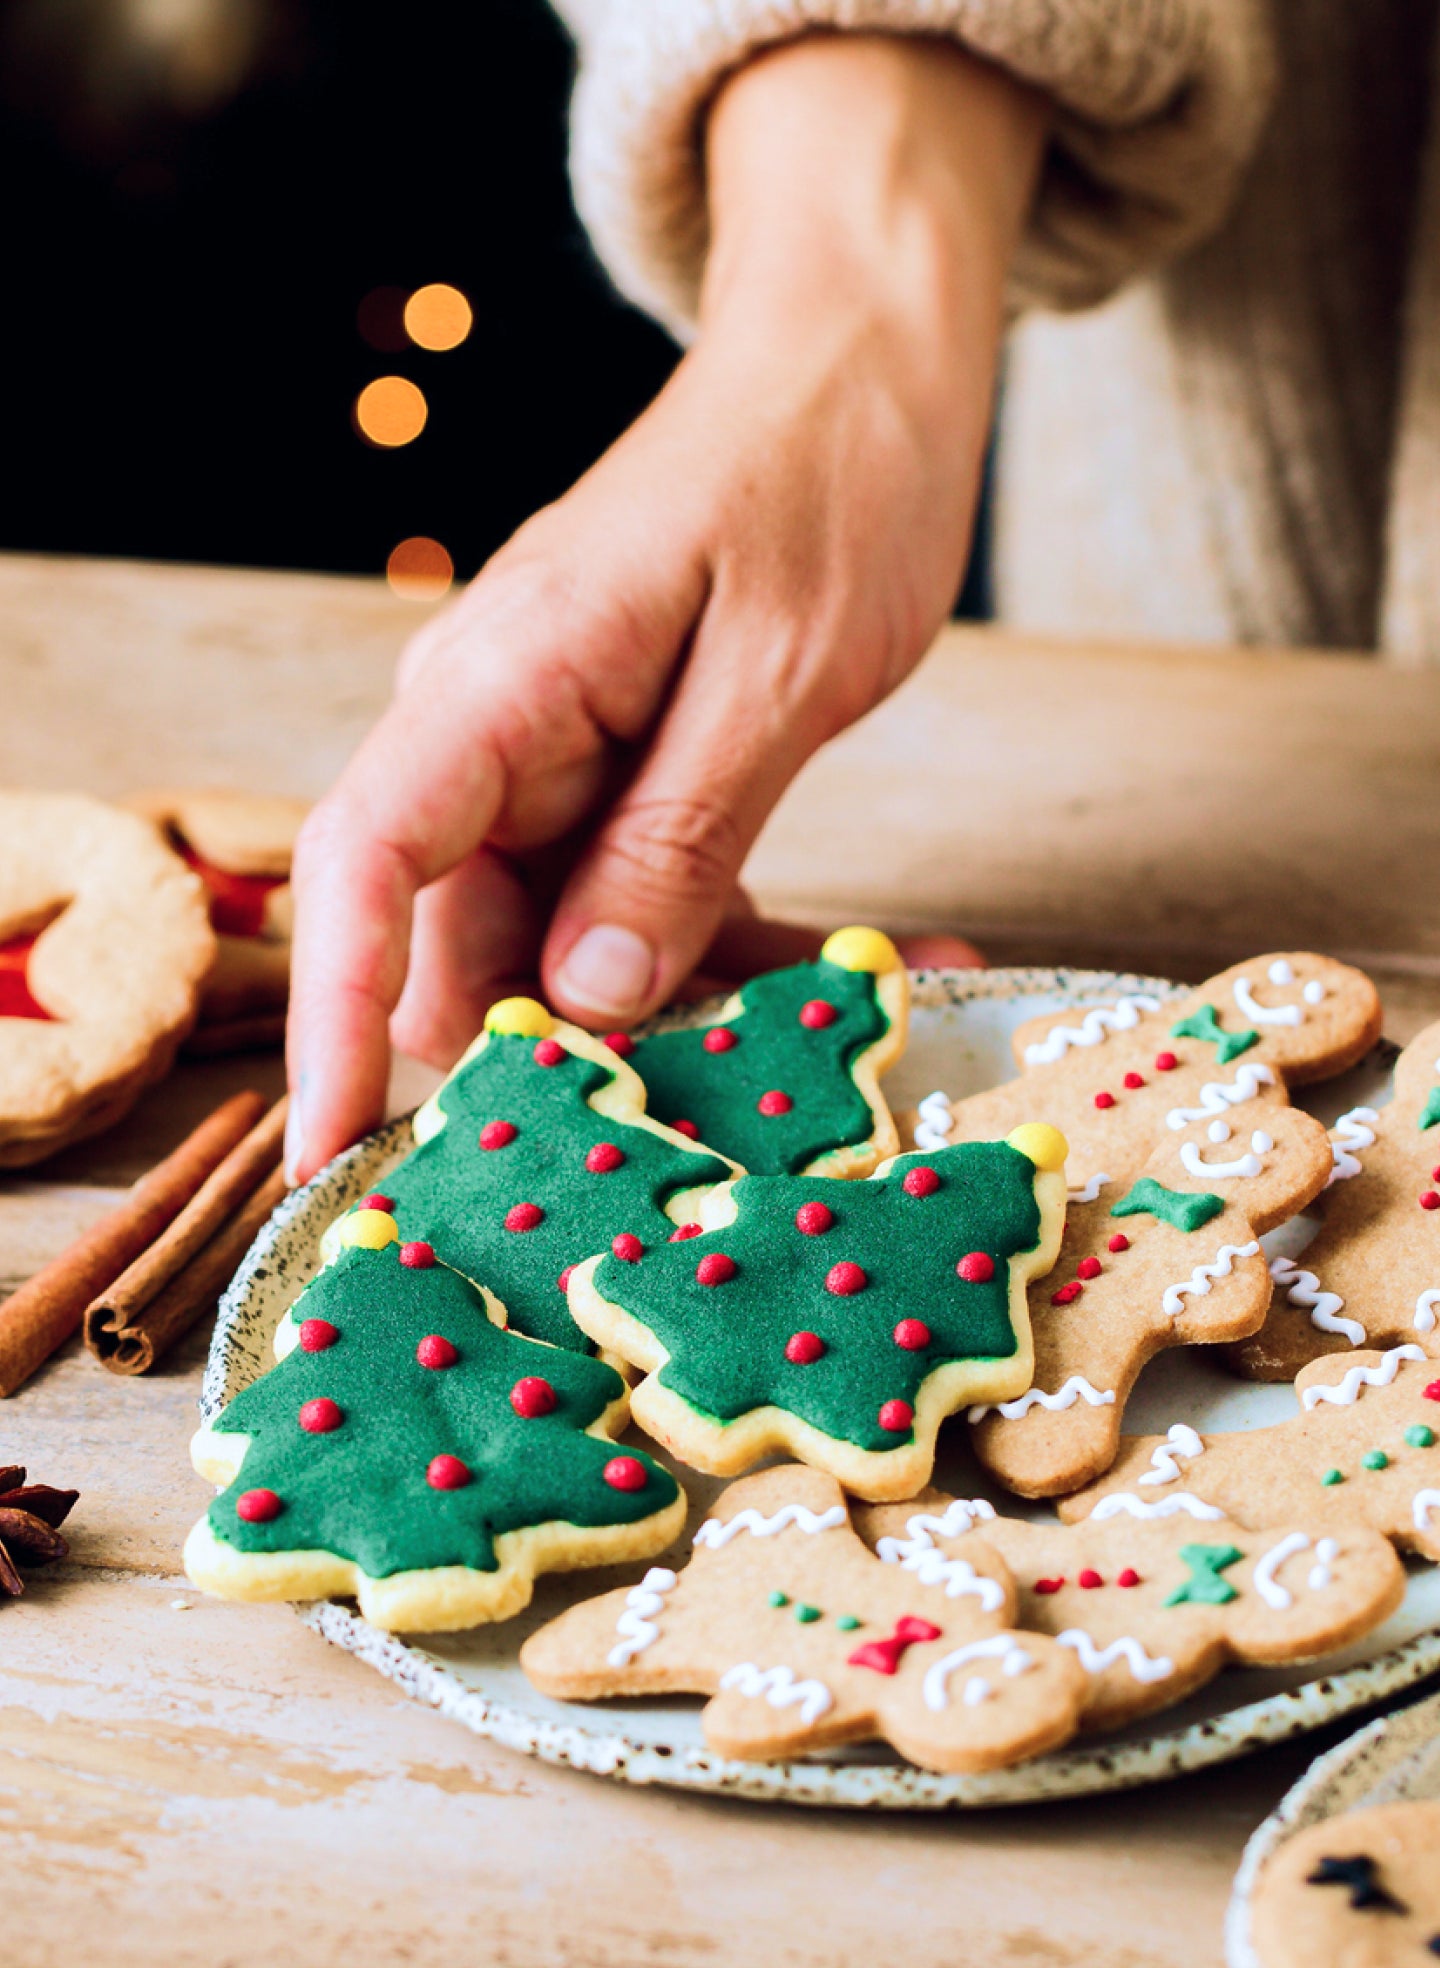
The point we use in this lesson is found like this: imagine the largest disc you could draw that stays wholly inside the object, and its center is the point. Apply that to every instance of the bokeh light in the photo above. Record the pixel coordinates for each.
(438, 317)
(420, 569)
(390, 412)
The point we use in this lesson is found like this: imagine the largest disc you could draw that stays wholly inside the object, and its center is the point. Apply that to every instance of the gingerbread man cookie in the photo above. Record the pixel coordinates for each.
(1115, 1078)
(1362, 1890)
(785, 1078)
(804, 1640)
(839, 1322)
(1174, 1261)
(1118, 1590)
(408, 1449)
(1364, 1451)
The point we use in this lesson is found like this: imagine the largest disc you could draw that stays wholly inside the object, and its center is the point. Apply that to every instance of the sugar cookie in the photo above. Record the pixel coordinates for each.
(1362, 1890)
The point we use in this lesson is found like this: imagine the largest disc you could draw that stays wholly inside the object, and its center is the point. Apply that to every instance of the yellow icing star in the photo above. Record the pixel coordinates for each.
(1045, 1145)
(520, 1018)
(369, 1229)
(861, 949)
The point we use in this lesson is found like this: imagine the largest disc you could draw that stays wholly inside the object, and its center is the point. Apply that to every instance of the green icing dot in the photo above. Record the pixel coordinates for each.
(847, 1622)
(1420, 1437)
(1332, 1477)
(1375, 1459)
(1180, 1210)
(1205, 1024)
(778, 1599)
(807, 1615)
(1205, 1587)
(1430, 1114)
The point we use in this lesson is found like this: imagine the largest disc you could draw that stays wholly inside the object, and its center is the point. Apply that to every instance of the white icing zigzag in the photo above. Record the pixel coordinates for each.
(1122, 1503)
(1215, 1096)
(1197, 1285)
(1088, 1191)
(1353, 1130)
(1258, 1014)
(1076, 1388)
(1094, 1660)
(1347, 1393)
(916, 1553)
(717, 1535)
(1425, 1311)
(779, 1687)
(1093, 1029)
(1180, 1440)
(937, 1118)
(1302, 1288)
(1000, 1646)
(636, 1624)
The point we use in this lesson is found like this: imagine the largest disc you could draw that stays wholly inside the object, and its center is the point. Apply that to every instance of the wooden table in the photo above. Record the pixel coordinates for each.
(189, 1782)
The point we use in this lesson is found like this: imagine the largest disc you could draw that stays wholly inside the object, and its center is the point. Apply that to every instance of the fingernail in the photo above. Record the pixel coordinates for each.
(608, 970)
(294, 1141)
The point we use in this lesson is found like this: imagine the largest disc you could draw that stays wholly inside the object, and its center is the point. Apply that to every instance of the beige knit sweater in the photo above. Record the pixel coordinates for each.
(1222, 413)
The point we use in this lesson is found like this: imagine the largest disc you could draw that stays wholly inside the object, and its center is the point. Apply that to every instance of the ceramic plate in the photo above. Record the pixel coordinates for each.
(959, 1042)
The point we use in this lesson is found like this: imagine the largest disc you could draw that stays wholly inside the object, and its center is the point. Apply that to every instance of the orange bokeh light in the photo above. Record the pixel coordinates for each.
(390, 412)
(438, 317)
(420, 569)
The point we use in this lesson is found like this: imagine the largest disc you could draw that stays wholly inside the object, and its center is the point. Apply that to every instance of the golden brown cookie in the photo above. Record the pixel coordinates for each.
(1357, 1891)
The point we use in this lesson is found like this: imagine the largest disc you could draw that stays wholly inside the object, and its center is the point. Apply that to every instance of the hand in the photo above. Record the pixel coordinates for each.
(582, 748)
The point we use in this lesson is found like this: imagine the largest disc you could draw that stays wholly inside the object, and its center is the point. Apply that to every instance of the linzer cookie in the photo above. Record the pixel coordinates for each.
(1371, 1277)
(841, 1322)
(804, 1640)
(107, 943)
(1124, 1590)
(409, 1450)
(1363, 1452)
(785, 1078)
(1359, 1891)
(1115, 1078)
(1175, 1260)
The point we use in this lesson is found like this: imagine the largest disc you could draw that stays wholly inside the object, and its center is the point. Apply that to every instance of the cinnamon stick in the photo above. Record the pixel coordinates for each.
(47, 1308)
(134, 1348)
(116, 1310)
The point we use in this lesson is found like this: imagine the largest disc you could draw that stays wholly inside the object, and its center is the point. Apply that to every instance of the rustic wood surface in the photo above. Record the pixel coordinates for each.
(189, 1782)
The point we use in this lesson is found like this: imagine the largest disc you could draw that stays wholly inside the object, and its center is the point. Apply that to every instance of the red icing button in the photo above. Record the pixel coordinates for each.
(1088, 1267)
(624, 1473)
(317, 1334)
(1430, 1200)
(524, 1216)
(565, 1276)
(257, 1506)
(715, 1268)
(417, 1256)
(620, 1042)
(817, 1014)
(549, 1052)
(498, 1134)
(896, 1416)
(1090, 1579)
(921, 1181)
(720, 1039)
(447, 1473)
(845, 1279)
(802, 1349)
(627, 1247)
(319, 1416)
(912, 1334)
(774, 1102)
(687, 1128)
(1119, 1242)
(1104, 1100)
(1047, 1586)
(976, 1268)
(376, 1202)
(1067, 1294)
(1133, 1080)
(532, 1397)
(1165, 1062)
(436, 1351)
(814, 1219)
(1432, 1392)
(604, 1158)
(685, 1231)
(1128, 1577)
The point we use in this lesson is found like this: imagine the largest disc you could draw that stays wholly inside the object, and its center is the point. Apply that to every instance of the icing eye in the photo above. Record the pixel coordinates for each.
(1261, 1144)
(1218, 1131)
(1280, 972)
(1314, 992)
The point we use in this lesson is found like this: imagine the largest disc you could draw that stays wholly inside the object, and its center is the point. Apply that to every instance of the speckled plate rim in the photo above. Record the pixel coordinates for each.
(239, 1347)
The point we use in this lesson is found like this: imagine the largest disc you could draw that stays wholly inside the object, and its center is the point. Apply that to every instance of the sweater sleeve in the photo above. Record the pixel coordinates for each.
(1158, 105)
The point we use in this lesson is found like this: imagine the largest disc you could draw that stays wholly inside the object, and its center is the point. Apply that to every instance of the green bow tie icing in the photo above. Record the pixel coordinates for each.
(1205, 1586)
(1430, 1112)
(842, 1321)
(1186, 1210)
(407, 1448)
(784, 1080)
(537, 1153)
(1205, 1024)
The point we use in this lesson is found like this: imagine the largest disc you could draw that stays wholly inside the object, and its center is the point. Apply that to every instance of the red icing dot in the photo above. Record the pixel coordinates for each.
(687, 1128)
(1430, 1200)
(1090, 1579)
(627, 1247)
(1067, 1294)
(319, 1416)
(1128, 1577)
(814, 1219)
(921, 1181)
(436, 1351)
(317, 1334)
(715, 1268)
(1133, 1080)
(532, 1397)
(720, 1039)
(1119, 1242)
(624, 1473)
(498, 1134)
(524, 1216)
(774, 1102)
(1165, 1062)
(258, 1506)
(912, 1334)
(549, 1052)
(604, 1157)
(976, 1268)
(620, 1042)
(1435, 1175)
(817, 1014)
(1104, 1100)
(1088, 1267)
(565, 1276)
(845, 1279)
(686, 1231)
(1432, 1392)
(1047, 1586)
(896, 1416)
(376, 1202)
(804, 1348)
(447, 1473)
(417, 1256)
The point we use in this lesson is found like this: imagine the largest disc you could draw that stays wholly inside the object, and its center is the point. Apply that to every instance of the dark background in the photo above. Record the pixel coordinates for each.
(199, 195)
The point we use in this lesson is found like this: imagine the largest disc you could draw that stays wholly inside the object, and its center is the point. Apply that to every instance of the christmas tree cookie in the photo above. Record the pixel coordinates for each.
(1176, 1261)
(535, 1153)
(409, 1450)
(1364, 1452)
(1114, 1079)
(1371, 1277)
(841, 1322)
(785, 1077)
(803, 1640)
(1116, 1589)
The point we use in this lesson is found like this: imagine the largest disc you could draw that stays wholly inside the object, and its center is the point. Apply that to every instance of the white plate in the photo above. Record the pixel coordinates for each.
(959, 1041)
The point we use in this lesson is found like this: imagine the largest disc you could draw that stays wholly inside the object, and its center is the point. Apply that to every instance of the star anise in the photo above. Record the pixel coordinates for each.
(30, 1517)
